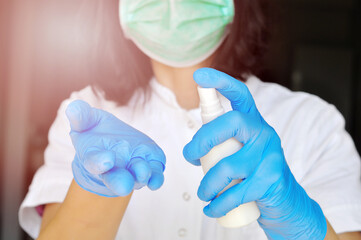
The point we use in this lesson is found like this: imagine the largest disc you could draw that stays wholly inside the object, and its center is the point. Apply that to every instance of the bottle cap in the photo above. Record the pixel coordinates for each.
(210, 105)
(207, 95)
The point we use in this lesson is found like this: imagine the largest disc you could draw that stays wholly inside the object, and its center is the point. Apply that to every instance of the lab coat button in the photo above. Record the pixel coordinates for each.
(182, 232)
(190, 124)
(186, 196)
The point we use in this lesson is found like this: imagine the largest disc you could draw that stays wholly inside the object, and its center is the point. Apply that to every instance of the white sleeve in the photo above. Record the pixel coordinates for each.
(52, 180)
(333, 179)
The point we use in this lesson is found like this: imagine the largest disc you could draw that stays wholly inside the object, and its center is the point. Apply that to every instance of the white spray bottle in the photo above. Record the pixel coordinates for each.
(211, 108)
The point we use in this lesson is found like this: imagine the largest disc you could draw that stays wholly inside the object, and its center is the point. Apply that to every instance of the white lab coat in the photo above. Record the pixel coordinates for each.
(319, 151)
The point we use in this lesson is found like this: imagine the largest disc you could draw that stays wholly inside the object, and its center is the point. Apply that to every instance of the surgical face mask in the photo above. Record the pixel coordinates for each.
(178, 33)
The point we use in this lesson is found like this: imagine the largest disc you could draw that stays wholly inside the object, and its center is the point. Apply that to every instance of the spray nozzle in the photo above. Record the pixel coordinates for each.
(211, 107)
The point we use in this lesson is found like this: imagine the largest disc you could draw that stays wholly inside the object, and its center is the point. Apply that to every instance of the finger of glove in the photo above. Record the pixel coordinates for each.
(248, 190)
(98, 162)
(81, 116)
(119, 180)
(141, 171)
(228, 200)
(236, 166)
(233, 89)
(157, 178)
(150, 152)
(253, 188)
(231, 124)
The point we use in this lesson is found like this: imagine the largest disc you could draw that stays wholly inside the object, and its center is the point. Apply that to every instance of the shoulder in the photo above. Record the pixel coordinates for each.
(275, 101)
(87, 94)
(307, 125)
(96, 99)
(275, 93)
(128, 113)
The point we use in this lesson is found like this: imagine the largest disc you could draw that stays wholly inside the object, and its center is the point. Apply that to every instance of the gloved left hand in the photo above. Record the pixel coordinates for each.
(112, 158)
(287, 212)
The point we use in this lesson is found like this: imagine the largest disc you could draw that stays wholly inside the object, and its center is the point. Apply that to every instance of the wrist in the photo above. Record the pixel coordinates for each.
(80, 204)
(288, 212)
(84, 215)
(311, 221)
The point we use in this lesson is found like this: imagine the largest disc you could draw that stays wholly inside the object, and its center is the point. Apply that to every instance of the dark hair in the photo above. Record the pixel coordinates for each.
(119, 68)
(242, 52)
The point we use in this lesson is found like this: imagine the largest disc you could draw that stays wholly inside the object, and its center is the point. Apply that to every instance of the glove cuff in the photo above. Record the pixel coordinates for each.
(290, 213)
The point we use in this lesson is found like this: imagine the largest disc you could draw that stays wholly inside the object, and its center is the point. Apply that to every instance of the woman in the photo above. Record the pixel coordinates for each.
(293, 170)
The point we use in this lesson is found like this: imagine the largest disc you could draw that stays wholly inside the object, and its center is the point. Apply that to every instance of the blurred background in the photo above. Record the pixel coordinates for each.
(315, 47)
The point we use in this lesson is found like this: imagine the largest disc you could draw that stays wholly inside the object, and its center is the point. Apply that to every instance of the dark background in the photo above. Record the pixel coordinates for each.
(316, 47)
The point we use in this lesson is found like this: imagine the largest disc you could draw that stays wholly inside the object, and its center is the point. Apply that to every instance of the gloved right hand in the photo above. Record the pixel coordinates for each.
(287, 212)
(111, 157)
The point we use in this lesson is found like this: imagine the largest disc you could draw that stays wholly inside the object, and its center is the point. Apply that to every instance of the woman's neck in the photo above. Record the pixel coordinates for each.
(180, 81)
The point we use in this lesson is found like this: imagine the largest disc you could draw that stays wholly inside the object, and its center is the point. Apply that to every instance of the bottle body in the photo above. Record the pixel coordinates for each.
(211, 108)
(245, 213)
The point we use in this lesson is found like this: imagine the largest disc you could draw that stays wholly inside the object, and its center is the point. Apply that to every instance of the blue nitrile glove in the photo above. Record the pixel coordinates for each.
(111, 157)
(287, 212)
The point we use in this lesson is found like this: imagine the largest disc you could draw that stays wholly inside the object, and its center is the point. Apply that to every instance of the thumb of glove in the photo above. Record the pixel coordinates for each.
(81, 115)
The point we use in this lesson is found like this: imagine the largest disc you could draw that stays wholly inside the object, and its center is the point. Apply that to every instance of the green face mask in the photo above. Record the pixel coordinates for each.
(177, 33)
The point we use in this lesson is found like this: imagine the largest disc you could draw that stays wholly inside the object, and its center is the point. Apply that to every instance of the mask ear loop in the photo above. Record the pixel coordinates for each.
(122, 25)
(172, 7)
